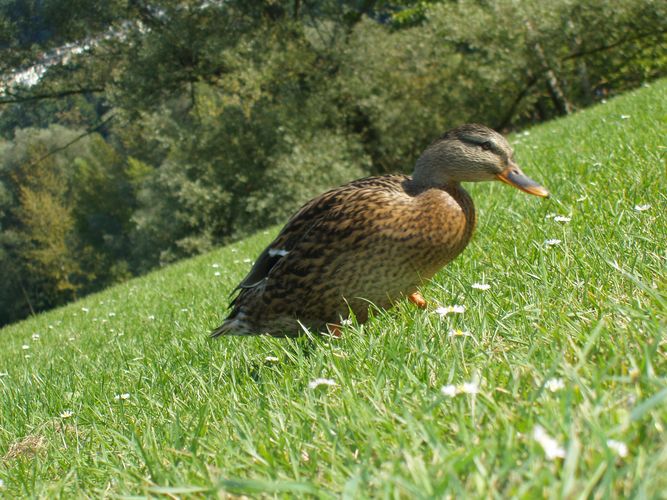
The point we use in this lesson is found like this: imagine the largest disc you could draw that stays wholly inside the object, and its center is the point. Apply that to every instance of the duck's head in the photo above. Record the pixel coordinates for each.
(472, 153)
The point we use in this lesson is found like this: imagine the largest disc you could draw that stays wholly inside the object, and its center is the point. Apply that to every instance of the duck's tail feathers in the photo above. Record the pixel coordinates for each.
(233, 325)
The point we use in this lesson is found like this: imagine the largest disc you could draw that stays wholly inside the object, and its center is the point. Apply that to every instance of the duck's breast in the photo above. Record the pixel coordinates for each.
(406, 241)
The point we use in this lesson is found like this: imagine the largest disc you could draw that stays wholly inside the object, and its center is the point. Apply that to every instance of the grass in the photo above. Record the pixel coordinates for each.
(159, 409)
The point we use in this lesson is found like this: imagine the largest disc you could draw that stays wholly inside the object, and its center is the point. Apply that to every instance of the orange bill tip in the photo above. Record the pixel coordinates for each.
(513, 176)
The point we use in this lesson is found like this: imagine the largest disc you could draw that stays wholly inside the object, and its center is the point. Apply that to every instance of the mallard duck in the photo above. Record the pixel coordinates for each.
(373, 241)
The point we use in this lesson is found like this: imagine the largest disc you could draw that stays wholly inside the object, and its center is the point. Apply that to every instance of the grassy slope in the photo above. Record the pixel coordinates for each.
(205, 416)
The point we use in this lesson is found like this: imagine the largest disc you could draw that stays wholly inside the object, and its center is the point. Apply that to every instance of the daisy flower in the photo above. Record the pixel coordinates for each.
(480, 286)
(562, 218)
(321, 381)
(619, 447)
(449, 390)
(470, 388)
(552, 449)
(455, 309)
(554, 384)
(465, 388)
(458, 333)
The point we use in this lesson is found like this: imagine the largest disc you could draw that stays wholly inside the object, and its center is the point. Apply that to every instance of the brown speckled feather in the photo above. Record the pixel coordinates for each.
(372, 241)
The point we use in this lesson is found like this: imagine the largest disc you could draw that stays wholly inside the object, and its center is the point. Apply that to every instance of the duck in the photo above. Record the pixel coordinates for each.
(372, 242)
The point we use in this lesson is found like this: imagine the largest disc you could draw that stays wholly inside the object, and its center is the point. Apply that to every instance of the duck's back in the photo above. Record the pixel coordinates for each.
(367, 242)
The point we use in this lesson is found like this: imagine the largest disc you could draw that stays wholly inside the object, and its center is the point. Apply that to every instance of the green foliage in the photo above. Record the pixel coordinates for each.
(64, 219)
(46, 233)
(156, 408)
(313, 165)
(29, 27)
(195, 123)
(478, 61)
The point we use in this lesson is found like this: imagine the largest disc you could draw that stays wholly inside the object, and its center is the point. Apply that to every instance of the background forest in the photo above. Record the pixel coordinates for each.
(134, 133)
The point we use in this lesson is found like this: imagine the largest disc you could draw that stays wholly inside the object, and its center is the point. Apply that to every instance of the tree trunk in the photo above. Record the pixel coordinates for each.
(557, 95)
(554, 87)
(584, 81)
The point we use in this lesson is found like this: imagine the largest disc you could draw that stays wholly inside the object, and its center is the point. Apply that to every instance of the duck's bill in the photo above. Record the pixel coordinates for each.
(513, 176)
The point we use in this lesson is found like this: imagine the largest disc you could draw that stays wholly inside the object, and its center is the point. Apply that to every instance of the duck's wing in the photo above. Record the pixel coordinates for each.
(313, 217)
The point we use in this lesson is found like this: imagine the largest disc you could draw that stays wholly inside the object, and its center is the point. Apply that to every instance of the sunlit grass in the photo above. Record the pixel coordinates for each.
(561, 358)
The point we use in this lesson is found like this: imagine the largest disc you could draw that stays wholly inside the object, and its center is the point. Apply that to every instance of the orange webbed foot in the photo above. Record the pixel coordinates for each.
(417, 299)
(334, 330)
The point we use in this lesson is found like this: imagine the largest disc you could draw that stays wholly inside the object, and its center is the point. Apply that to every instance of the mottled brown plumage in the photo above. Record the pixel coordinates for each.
(372, 241)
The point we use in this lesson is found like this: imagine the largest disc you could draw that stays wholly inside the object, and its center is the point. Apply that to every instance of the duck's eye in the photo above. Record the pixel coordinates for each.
(486, 146)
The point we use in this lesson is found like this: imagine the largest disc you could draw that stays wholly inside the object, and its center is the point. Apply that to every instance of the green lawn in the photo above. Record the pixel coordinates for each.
(124, 394)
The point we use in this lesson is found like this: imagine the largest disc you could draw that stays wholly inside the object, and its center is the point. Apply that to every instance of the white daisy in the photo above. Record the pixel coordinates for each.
(321, 381)
(642, 208)
(66, 414)
(449, 390)
(554, 384)
(552, 242)
(619, 447)
(470, 388)
(124, 396)
(85, 309)
(562, 218)
(25, 347)
(247, 261)
(458, 333)
(271, 359)
(455, 309)
(217, 273)
(480, 286)
(35, 336)
(552, 449)
(215, 265)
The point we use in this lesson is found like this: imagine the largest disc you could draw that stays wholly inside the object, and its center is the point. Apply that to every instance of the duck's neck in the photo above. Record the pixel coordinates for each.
(416, 186)
(455, 190)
